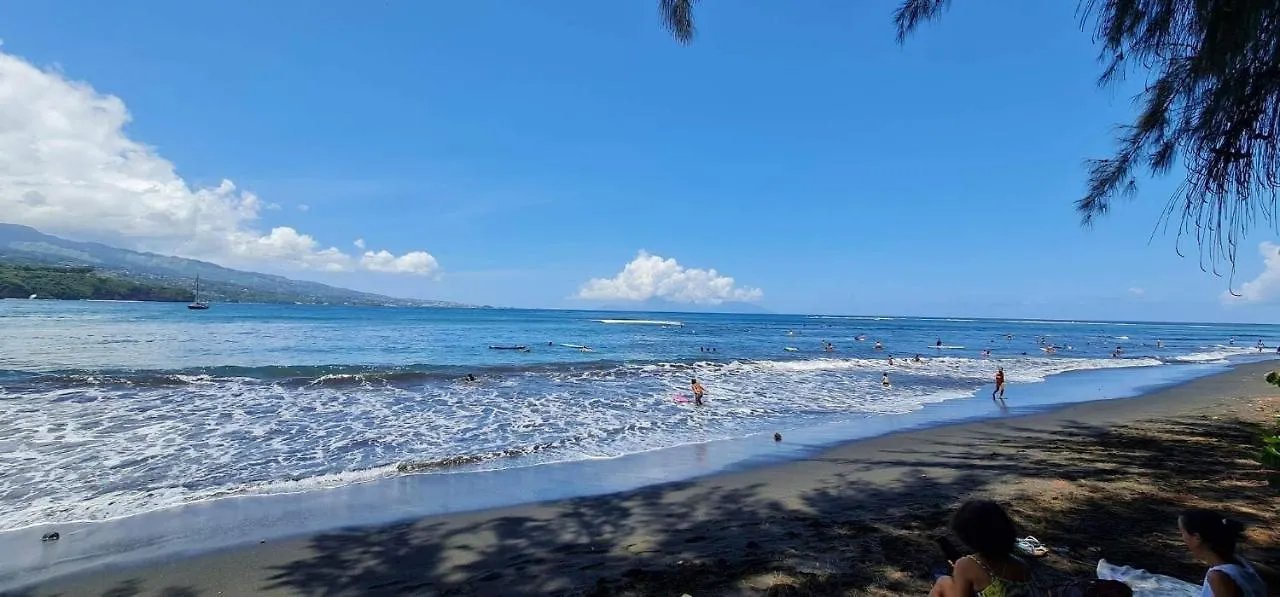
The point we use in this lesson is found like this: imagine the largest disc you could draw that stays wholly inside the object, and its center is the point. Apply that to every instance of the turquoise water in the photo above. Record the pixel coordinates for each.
(113, 409)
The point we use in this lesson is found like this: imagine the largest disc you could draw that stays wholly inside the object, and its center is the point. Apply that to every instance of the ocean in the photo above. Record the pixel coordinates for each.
(108, 410)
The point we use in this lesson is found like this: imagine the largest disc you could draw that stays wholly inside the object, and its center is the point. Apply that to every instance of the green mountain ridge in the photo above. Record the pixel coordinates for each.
(26, 246)
(71, 283)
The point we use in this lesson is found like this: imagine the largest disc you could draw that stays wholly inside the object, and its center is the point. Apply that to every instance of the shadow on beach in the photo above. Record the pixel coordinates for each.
(1089, 492)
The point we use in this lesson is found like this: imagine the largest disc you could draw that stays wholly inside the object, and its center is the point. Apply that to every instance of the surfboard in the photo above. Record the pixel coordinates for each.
(680, 399)
(791, 349)
(573, 346)
(945, 347)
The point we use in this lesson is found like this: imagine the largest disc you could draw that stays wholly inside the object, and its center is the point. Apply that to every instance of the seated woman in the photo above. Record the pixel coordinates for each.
(1212, 538)
(992, 570)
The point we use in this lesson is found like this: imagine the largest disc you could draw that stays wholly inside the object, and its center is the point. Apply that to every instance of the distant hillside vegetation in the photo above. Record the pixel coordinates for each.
(23, 245)
(22, 281)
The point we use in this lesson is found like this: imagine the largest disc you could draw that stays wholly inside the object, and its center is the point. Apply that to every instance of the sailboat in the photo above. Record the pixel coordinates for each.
(198, 304)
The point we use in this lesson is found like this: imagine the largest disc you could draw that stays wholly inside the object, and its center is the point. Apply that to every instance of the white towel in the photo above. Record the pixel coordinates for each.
(1146, 584)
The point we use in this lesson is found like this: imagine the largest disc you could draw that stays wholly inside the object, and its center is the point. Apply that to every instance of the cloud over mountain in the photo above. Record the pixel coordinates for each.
(70, 168)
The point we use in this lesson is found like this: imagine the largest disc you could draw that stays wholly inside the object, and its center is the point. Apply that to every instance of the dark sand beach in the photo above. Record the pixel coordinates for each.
(1093, 480)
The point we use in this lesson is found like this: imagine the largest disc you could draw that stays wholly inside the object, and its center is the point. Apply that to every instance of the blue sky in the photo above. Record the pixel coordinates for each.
(532, 146)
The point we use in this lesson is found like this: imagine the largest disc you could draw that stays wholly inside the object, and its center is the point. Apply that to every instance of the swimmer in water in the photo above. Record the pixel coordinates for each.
(1261, 346)
(471, 378)
(938, 343)
(917, 359)
(890, 360)
(1159, 343)
(884, 380)
(698, 391)
(879, 346)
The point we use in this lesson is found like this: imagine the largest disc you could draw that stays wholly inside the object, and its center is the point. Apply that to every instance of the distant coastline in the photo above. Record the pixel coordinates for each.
(70, 283)
(120, 274)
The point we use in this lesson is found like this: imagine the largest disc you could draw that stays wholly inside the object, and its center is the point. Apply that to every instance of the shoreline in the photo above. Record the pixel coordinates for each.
(669, 527)
(235, 521)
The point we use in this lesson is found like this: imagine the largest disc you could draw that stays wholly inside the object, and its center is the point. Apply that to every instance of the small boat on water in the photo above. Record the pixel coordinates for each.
(509, 347)
(197, 304)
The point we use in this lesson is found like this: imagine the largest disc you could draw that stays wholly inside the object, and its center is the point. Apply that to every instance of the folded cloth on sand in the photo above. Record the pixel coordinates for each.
(1146, 584)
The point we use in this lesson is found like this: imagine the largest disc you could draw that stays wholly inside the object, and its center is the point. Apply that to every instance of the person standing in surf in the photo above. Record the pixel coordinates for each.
(698, 391)
(999, 391)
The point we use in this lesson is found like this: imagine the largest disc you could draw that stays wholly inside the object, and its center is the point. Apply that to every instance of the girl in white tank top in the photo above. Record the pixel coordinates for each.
(1212, 538)
(1246, 579)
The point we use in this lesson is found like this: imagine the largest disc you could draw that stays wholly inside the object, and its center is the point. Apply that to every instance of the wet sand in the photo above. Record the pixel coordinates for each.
(1094, 480)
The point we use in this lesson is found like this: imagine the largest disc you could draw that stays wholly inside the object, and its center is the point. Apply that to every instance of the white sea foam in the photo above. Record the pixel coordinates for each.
(90, 447)
(1018, 369)
(641, 322)
(1061, 322)
(1219, 354)
(88, 453)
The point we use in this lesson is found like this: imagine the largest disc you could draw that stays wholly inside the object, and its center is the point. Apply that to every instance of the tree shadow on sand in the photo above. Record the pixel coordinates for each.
(1110, 493)
(127, 588)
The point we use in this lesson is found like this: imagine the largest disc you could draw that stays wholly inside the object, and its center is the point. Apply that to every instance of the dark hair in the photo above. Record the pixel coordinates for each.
(985, 527)
(695, 380)
(1219, 533)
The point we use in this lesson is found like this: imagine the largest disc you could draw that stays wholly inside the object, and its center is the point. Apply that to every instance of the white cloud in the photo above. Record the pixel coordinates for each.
(417, 262)
(1135, 291)
(304, 207)
(68, 167)
(650, 276)
(359, 243)
(1267, 285)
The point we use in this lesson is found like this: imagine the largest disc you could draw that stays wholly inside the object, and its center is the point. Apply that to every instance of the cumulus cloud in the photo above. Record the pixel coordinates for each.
(417, 262)
(68, 167)
(651, 276)
(1267, 285)
(359, 243)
